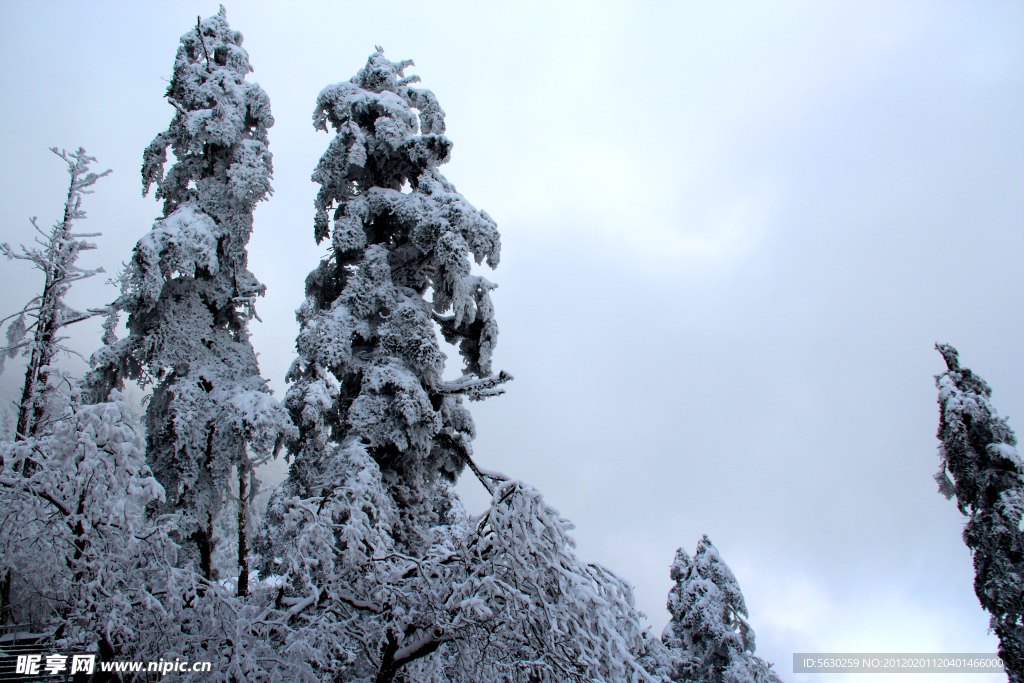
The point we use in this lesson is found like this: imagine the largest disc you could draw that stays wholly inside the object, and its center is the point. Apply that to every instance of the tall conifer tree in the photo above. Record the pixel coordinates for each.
(978, 452)
(370, 369)
(392, 579)
(189, 294)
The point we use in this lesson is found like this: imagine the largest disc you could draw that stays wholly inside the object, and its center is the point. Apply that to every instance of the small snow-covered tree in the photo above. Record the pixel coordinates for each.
(977, 451)
(40, 340)
(708, 637)
(189, 294)
(368, 543)
(72, 526)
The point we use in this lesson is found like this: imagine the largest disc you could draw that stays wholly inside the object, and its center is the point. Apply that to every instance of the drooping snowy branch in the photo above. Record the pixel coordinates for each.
(499, 597)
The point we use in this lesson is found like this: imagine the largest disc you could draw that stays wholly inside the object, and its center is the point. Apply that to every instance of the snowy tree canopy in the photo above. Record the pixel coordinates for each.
(40, 340)
(370, 368)
(978, 452)
(188, 292)
(708, 637)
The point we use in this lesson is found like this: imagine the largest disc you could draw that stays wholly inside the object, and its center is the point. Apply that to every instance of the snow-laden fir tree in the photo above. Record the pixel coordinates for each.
(977, 451)
(708, 638)
(189, 294)
(40, 340)
(371, 548)
(369, 371)
(369, 368)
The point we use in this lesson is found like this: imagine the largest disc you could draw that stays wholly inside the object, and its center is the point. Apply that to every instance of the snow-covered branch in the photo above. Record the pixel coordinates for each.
(475, 388)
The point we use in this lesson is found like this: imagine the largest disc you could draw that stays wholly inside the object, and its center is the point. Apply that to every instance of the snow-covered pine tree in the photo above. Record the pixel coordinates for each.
(708, 637)
(371, 547)
(369, 368)
(189, 294)
(977, 451)
(41, 339)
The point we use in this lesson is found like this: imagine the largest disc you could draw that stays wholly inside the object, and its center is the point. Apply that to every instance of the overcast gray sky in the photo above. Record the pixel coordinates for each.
(732, 233)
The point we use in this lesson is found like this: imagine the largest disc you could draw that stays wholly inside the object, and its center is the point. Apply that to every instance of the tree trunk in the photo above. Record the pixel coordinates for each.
(30, 410)
(392, 659)
(243, 533)
(107, 654)
(204, 541)
(5, 598)
(388, 669)
(1011, 650)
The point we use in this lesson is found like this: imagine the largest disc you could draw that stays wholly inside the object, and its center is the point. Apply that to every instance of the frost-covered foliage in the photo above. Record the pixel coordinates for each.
(370, 368)
(499, 597)
(189, 294)
(72, 529)
(369, 364)
(35, 330)
(708, 638)
(978, 452)
(368, 543)
(88, 562)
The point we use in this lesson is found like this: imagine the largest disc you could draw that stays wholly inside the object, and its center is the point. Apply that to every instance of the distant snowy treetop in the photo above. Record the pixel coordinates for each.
(708, 638)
